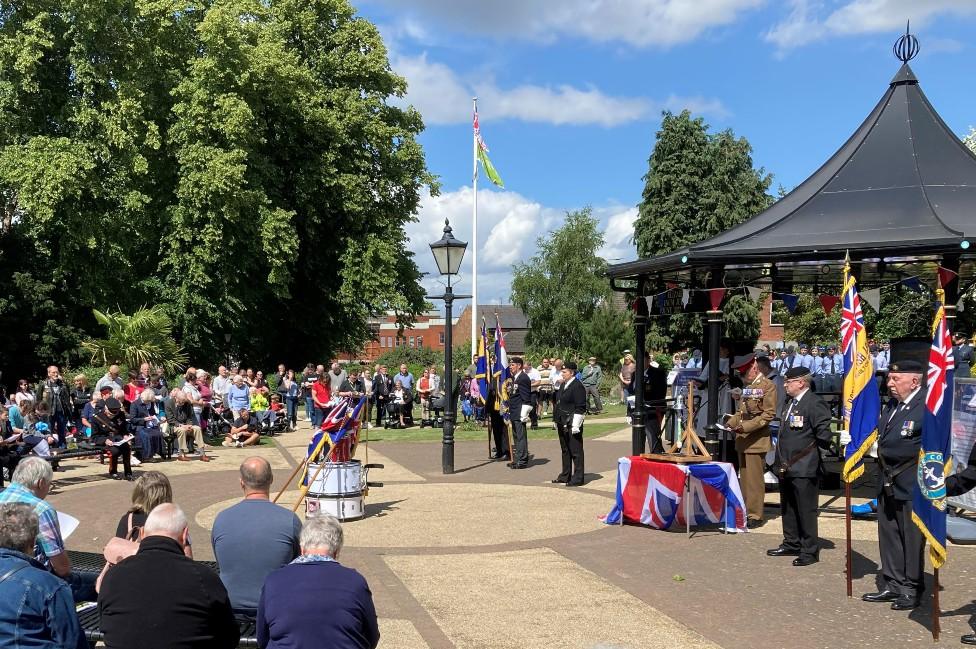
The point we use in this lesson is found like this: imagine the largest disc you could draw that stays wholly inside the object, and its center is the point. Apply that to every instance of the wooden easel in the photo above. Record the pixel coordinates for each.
(690, 449)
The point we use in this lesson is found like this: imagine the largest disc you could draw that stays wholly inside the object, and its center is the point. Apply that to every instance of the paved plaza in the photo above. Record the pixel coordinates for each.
(491, 558)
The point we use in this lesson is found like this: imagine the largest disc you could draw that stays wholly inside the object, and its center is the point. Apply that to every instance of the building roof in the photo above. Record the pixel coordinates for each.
(902, 185)
(510, 317)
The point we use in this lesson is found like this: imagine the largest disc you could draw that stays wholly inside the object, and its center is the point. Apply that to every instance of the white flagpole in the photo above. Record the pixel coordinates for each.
(474, 238)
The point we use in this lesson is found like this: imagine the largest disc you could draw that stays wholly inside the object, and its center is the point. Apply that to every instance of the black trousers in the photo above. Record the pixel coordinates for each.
(533, 415)
(380, 407)
(572, 454)
(114, 452)
(8, 461)
(521, 440)
(902, 547)
(499, 432)
(798, 504)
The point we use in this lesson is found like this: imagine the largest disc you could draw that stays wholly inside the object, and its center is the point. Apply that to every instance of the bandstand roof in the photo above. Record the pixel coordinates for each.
(901, 190)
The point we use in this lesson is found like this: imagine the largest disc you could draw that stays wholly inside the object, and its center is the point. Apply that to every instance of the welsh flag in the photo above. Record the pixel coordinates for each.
(490, 170)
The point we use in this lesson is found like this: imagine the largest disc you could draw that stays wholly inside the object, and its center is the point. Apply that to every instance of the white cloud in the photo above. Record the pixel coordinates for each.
(509, 225)
(443, 97)
(811, 21)
(642, 23)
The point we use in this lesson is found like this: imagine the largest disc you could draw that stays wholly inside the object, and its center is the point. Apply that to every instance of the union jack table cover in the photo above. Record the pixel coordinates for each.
(652, 493)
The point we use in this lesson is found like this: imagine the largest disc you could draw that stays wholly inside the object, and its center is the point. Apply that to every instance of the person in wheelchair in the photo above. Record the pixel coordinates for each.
(399, 404)
(244, 431)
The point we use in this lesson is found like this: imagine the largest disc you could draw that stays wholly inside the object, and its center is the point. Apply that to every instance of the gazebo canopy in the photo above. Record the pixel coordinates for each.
(901, 191)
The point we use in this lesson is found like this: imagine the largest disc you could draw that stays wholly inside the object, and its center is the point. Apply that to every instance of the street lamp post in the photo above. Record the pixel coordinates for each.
(448, 253)
(227, 347)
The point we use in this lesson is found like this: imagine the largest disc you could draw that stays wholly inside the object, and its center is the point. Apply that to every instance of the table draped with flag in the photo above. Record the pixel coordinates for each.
(653, 493)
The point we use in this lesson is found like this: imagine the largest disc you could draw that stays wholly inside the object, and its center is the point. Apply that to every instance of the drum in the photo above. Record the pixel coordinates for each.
(336, 479)
(345, 508)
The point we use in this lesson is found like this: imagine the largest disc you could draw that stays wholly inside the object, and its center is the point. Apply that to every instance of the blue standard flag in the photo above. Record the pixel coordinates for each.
(934, 459)
(479, 386)
(862, 404)
(499, 371)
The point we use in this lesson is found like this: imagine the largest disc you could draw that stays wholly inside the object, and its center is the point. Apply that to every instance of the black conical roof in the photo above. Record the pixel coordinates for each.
(902, 184)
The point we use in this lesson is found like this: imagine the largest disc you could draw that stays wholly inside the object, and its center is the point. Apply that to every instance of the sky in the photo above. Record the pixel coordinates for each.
(570, 95)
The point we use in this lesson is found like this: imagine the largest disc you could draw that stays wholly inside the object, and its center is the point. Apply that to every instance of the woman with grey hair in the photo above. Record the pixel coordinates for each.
(36, 608)
(144, 418)
(314, 601)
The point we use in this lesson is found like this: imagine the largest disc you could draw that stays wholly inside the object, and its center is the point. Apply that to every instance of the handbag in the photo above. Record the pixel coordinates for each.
(118, 549)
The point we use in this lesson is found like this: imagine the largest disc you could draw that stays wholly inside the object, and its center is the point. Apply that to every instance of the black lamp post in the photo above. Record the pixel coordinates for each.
(448, 253)
(227, 347)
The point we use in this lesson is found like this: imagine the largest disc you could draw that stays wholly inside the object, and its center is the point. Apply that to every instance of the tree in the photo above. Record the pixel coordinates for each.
(970, 140)
(131, 340)
(699, 185)
(559, 288)
(236, 162)
(606, 334)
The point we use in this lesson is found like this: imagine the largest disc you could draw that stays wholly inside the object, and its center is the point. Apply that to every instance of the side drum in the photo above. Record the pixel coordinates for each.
(345, 508)
(336, 479)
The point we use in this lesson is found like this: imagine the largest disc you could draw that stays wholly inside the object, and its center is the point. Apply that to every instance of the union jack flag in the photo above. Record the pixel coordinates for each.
(940, 364)
(337, 414)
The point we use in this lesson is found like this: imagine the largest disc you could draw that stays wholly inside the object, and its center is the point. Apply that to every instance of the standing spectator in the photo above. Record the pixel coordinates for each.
(221, 385)
(206, 396)
(288, 389)
(423, 393)
(280, 374)
(306, 381)
(381, 392)
(110, 379)
(321, 395)
(535, 382)
(23, 392)
(253, 537)
(626, 375)
(36, 608)
(192, 391)
(336, 376)
(592, 375)
(405, 377)
(81, 395)
(546, 370)
(260, 382)
(464, 390)
(54, 393)
(316, 602)
(160, 598)
(239, 396)
(30, 485)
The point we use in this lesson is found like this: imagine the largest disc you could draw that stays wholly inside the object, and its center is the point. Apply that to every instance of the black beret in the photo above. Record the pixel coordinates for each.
(104, 388)
(910, 366)
(113, 404)
(570, 365)
(797, 372)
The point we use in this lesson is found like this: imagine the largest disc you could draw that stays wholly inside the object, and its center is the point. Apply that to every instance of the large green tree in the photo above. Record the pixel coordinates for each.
(698, 184)
(237, 162)
(559, 288)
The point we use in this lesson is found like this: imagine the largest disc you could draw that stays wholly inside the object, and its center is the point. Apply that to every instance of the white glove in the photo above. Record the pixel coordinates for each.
(845, 438)
(873, 451)
(525, 413)
(577, 424)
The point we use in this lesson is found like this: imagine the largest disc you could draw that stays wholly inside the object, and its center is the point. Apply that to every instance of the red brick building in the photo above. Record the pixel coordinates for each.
(426, 332)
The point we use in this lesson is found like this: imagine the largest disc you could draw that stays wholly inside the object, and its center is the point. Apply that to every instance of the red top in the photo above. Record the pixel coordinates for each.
(321, 393)
(132, 392)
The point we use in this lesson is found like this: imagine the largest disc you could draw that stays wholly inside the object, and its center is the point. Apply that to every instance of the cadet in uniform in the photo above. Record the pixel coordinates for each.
(899, 440)
(750, 423)
(804, 430)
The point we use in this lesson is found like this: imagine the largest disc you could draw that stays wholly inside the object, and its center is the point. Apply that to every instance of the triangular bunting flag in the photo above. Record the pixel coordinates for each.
(828, 302)
(789, 301)
(946, 276)
(873, 297)
(650, 302)
(671, 285)
(754, 293)
(685, 297)
(912, 283)
(662, 299)
(715, 297)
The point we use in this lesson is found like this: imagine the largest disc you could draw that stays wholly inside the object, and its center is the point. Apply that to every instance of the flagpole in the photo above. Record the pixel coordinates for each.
(474, 235)
(936, 612)
(847, 482)
(847, 508)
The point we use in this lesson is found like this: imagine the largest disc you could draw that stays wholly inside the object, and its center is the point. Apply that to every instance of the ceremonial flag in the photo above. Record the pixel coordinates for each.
(934, 459)
(499, 372)
(351, 423)
(479, 387)
(337, 414)
(490, 170)
(862, 404)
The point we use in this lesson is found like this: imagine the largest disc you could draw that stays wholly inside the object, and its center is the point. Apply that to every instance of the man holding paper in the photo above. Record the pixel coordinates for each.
(569, 411)
(520, 405)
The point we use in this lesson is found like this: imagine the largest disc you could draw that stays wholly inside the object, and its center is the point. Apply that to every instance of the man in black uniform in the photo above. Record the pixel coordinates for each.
(568, 413)
(804, 429)
(497, 422)
(899, 440)
(520, 405)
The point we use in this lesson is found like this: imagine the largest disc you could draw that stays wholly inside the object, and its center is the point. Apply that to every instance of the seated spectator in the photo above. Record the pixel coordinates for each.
(133, 388)
(81, 396)
(111, 424)
(253, 537)
(36, 608)
(151, 489)
(183, 424)
(316, 602)
(23, 392)
(9, 451)
(144, 416)
(400, 401)
(258, 406)
(243, 432)
(111, 379)
(160, 598)
(239, 396)
(30, 485)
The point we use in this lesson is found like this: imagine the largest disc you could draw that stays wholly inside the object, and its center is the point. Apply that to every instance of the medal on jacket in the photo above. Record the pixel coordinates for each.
(752, 393)
(907, 428)
(796, 421)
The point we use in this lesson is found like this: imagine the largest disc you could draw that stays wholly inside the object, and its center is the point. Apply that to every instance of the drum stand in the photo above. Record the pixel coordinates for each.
(690, 448)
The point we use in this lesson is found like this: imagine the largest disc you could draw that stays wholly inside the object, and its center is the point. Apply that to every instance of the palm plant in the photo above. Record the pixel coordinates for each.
(146, 336)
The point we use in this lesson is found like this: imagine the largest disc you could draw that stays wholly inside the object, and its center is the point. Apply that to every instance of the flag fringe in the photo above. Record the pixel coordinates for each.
(853, 469)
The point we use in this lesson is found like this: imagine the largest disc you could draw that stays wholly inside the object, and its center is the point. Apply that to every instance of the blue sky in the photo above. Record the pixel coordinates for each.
(570, 96)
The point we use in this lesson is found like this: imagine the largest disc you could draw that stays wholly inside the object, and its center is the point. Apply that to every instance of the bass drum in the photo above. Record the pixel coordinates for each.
(336, 479)
(345, 508)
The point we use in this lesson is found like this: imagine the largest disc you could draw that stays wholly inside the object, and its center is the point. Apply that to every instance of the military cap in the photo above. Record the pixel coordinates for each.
(797, 372)
(113, 404)
(105, 388)
(742, 361)
(909, 366)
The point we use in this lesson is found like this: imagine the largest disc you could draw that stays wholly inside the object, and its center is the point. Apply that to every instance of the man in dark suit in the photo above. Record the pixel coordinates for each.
(804, 429)
(520, 405)
(962, 355)
(899, 440)
(568, 413)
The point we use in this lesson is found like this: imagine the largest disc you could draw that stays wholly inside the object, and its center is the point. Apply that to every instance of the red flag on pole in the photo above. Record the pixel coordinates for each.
(715, 297)
(828, 302)
(946, 276)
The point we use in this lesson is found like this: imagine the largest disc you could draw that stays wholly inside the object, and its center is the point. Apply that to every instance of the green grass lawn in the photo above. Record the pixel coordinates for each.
(468, 432)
